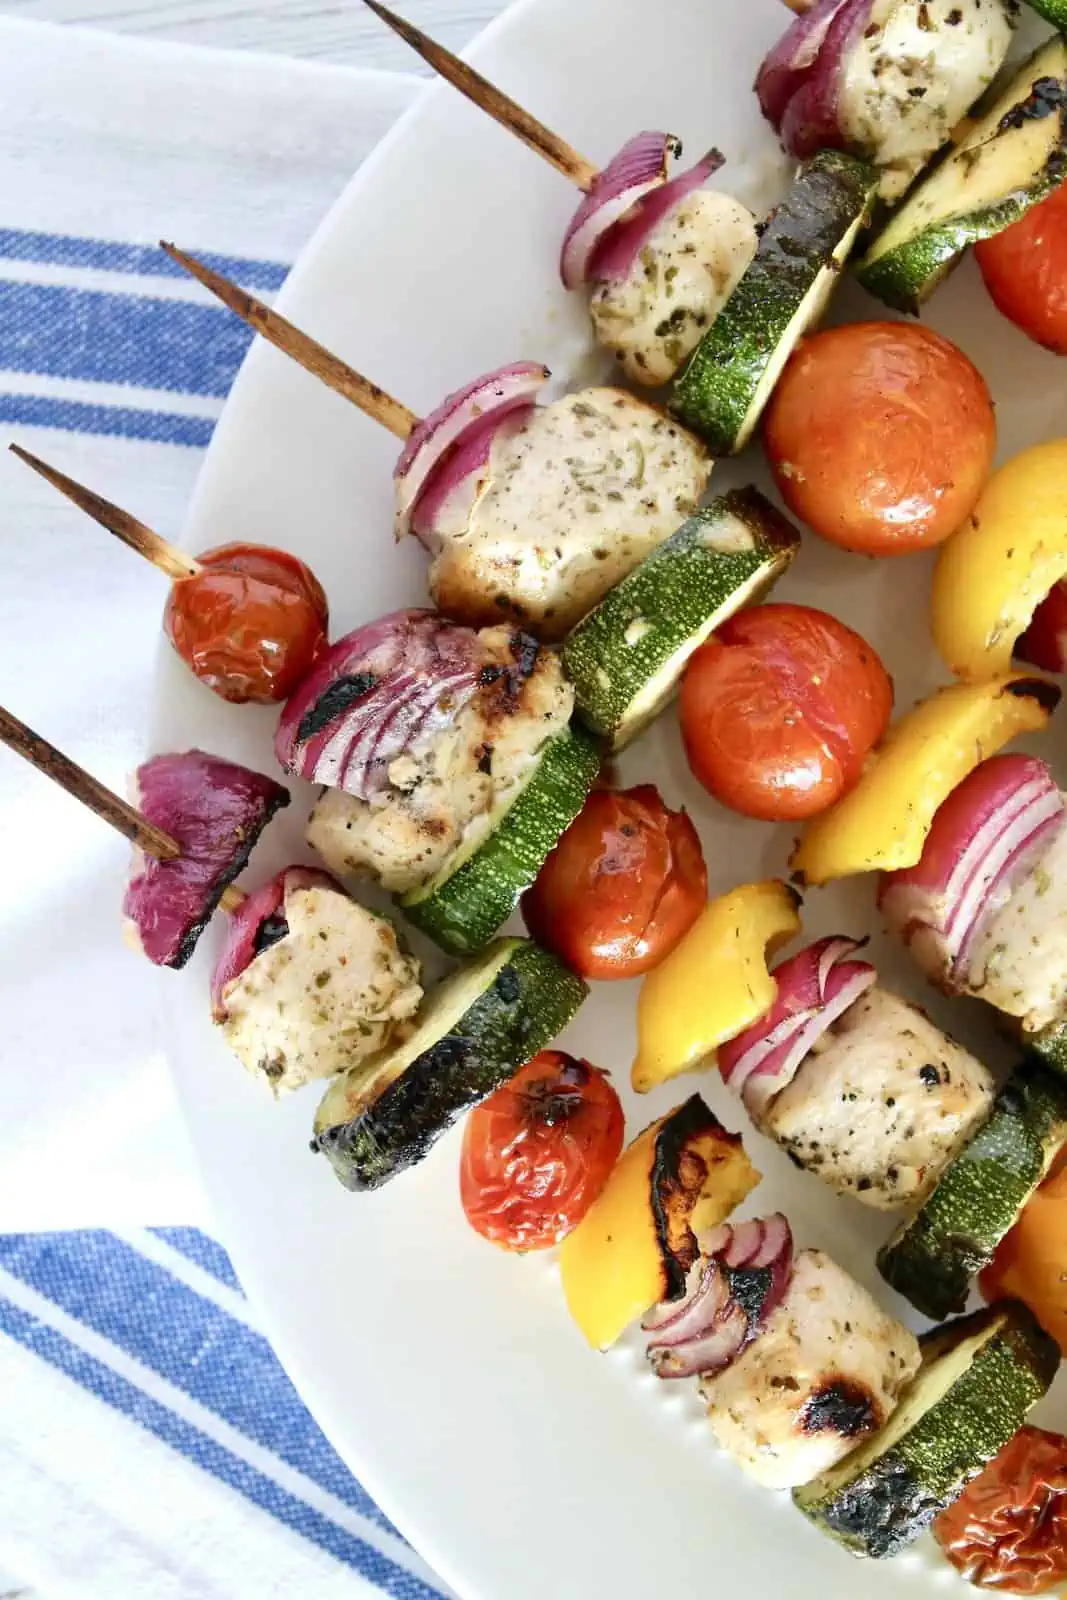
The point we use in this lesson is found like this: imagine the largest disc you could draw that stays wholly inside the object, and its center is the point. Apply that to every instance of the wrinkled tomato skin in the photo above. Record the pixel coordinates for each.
(780, 710)
(1008, 1530)
(250, 623)
(1025, 271)
(880, 436)
(538, 1152)
(623, 885)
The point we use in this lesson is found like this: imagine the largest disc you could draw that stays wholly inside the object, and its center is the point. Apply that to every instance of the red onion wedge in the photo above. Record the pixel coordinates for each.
(622, 245)
(495, 395)
(800, 81)
(446, 506)
(740, 1277)
(639, 167)
(985, 840)
(258, 923)
(814, 987)
(1044, 644)
(381, 692)
(216, 811)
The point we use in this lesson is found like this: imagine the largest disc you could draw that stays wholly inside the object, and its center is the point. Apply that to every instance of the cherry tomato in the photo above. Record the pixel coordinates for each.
(1008, 1530)
(1025, 271)
(623, 885)
(780, 709)
(250, 624)
(1029, 1262)
(538, 1152)
(880, 436)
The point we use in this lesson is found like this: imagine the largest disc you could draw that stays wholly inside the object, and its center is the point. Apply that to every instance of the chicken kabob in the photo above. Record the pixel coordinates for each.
(249, 621)
(309, 981)
(529, 512)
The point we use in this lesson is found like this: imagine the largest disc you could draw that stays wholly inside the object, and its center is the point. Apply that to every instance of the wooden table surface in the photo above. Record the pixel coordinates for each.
(323, 30)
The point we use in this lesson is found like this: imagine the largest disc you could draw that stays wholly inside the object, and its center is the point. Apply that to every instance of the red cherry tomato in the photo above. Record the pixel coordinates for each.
(538, 1152)
(780, 709)
(1025, 271)
(880, 436)
(623, 885)
(1008, 1529)
(250, 624)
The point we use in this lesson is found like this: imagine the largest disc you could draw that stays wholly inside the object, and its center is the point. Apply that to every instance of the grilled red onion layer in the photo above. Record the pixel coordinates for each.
(215, 810)
(800, 81)
(258, 923)
(386, 690)
(1044, 644)
(639, 167)
(620, 248)
(986, 839)
(738, 1280)
(495, 395)
(814, 989)
(447, 503)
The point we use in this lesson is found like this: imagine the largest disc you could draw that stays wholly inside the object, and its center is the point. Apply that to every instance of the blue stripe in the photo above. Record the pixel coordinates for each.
(122, 422)
(148, 261)
(200, 1349)
(132, 1402)
(174, 345)
(203, 1251)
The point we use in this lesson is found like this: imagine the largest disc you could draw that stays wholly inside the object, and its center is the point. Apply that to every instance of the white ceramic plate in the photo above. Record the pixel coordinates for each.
(446, 1373)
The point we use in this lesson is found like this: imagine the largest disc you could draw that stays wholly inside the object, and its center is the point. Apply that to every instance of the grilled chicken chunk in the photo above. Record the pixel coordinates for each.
(881, 1104)
(685, 272)
(826, 1371)
(1019, 962)
(331, 991)
(448, 791)
(574, 498)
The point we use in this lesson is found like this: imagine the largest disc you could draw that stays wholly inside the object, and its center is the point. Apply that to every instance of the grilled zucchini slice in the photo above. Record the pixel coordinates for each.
(1011, 158)
(480, 1026)
(979, 1378)
(934, 1256)
(627, 657)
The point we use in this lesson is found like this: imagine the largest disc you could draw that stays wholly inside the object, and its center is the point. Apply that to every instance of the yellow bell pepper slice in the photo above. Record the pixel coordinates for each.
(714, 984)
(993, 573)
(636, 1243)
(882, 823)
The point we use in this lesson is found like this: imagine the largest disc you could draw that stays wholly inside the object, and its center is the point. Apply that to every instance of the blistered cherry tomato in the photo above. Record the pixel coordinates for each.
(1025, 271)
(780, 709)
(623, 885)
(1008, 1530)
(250, 623)
(538, 1152)
(880, 436)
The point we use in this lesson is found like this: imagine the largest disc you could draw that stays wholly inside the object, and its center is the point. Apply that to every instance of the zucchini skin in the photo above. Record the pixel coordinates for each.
(1049, 1045)
(716, 390)
(1054, 11)
(675, 598)
(888, 1505)
(905, 278)
(934, 1257)
(465, 910)
(529, 1002)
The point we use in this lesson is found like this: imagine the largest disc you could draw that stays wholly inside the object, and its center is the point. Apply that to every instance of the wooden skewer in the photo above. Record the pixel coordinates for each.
(162, 554)
(500, 106)
(304, 350)
(84, 787)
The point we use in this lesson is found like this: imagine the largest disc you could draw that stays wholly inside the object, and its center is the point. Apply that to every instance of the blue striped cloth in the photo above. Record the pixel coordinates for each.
(150, 1443)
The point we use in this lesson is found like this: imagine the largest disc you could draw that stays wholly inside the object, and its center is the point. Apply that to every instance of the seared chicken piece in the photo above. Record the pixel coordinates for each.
(574, 498)
(331, 991)
(449, 791)
(826, 1371)
(1019, 962)
(655, 317)
(881, 1104)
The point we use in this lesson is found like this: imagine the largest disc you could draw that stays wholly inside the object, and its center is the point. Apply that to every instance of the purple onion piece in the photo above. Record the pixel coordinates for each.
(215, 811)
(619, 249)
(640, 166)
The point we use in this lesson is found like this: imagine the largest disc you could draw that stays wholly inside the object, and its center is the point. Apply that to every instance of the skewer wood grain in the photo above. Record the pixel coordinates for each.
(304, 350)
(160, 552)
(499, 106)
(81, 785)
